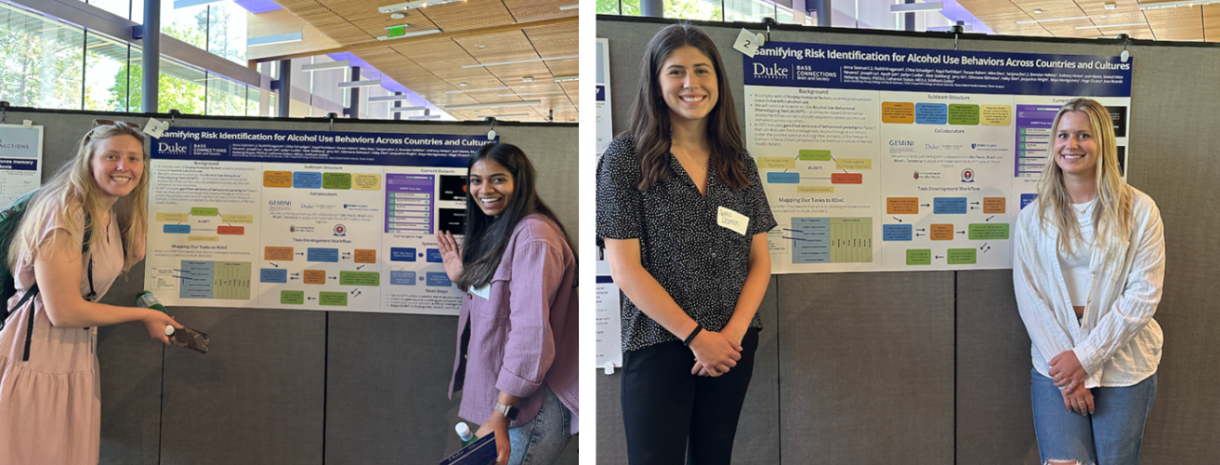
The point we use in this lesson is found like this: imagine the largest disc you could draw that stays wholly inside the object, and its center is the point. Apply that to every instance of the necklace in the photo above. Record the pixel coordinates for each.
(1086, 207)
(688, 157)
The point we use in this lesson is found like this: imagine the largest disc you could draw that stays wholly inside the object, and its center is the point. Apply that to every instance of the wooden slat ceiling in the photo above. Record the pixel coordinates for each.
(1183, 23)
(434, 68)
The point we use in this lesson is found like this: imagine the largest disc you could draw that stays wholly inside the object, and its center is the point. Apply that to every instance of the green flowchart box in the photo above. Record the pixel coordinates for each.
(963, 114)
(814, 155)
(963, 256)
(336, 180)
(337, 299)
(988, 231)
(202, 211)
(359, 278)
(919, 256)
(292, 297)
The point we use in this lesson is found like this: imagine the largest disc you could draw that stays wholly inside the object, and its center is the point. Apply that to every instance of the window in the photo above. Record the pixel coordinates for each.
(41, 60)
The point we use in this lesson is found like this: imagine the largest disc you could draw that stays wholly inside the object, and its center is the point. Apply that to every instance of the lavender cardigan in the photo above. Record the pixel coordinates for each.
(526, 333)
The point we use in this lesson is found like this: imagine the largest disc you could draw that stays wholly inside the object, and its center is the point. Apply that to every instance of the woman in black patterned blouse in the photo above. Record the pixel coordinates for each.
(683, 217)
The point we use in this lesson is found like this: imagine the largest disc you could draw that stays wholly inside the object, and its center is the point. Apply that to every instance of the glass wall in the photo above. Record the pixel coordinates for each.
(46, 63)
(41, 60)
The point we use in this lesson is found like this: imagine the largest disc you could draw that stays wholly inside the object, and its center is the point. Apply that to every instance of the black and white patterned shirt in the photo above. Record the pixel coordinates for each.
(702, 265)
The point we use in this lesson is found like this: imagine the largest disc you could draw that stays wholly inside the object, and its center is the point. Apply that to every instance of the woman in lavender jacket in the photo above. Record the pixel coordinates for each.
(517, 333)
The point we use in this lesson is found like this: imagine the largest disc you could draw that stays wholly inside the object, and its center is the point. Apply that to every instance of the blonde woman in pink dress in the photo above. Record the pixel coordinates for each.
(50, 394)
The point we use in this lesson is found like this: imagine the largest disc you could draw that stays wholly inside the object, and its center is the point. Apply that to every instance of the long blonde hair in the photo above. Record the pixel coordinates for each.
(1112, 218)
(73, 188)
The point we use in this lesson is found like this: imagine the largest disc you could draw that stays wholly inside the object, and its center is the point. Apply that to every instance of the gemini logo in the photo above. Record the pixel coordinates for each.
(172, 149)
(772, 72)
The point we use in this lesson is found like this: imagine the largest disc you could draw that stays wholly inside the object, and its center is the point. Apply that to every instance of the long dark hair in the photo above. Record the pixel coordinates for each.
(650, 126)
(487, 237)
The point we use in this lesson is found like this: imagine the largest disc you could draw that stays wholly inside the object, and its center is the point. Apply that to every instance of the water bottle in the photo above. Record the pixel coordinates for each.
(147, 300)
(463, 432)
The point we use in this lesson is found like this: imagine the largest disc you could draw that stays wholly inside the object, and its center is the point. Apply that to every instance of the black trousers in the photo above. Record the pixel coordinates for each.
(672, 416)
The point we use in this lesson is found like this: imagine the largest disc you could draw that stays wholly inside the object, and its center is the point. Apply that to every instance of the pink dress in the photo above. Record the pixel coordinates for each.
(50, 406)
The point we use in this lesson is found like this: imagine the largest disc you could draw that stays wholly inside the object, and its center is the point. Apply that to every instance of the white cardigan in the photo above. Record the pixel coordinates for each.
(1117, 341)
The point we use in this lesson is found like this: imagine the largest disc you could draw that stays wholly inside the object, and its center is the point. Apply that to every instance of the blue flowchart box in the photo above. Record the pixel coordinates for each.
(784, 178)
(176, 229)
(949, 205)
(273, 275)
(438, 279)
(931, 113)
(434, 256)
(306, 180)
(402, 278)
(402, 254)
(1026, 199)
(314, 254)
(896, 232)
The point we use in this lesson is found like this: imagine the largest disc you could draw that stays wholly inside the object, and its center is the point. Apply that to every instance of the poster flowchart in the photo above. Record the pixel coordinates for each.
(305, 220)
(895, 159)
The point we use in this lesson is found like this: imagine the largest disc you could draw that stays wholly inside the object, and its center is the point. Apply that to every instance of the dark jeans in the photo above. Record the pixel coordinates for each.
(672, 416)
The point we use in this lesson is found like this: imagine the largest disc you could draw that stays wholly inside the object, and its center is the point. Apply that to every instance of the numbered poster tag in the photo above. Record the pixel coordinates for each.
(484, 292)
(747, 43)
(155, 128)
(732, 220)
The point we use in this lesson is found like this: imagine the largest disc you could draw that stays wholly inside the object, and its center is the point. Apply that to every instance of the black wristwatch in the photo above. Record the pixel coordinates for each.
(509, 411)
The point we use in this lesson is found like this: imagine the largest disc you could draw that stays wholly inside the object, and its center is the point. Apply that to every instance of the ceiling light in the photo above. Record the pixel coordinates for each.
(402, 109)
(527, 79)
(274, 39)
(531, 93)
(571, 77)
(398, 16)
(494, 105)
(482, 46)
(389, 98)
(1111, 5)
(369, 83)
(1034, 21)
(1112, 25)
(569, 7)
(517, 115)
(1037, 11)
(528, 61)
(425, 117)
(1155, 6)
(410, 34)
(461, 84)
(917, 7)
(475, 90)
(413, 5)
(325, 66)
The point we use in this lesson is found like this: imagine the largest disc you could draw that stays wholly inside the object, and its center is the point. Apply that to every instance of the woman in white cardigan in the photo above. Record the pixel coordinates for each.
(1089, 260)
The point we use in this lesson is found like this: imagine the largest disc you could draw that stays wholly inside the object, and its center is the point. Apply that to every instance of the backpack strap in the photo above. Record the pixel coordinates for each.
(33, 291)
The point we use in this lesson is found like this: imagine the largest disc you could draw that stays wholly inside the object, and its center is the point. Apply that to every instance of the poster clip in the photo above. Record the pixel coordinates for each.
(1126, 41)
(491, 134)
(173, 117)
(957, 30)
(3, 109)
(768, 21)
(609, 368)
(331, 116)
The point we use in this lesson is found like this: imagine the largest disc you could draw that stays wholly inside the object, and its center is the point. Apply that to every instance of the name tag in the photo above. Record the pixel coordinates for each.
(732, 220)
(484, 292)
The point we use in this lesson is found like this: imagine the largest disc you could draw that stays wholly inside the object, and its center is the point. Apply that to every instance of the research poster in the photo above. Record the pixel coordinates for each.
(604, 117)
(313, 220)
(20, 161)
(896, 159)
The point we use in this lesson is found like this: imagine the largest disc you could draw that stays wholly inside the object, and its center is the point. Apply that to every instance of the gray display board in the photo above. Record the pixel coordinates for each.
(292, 387)
(933, 367)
